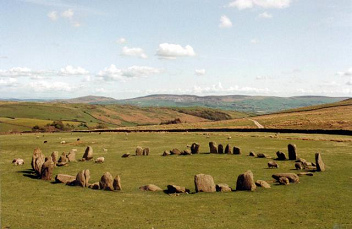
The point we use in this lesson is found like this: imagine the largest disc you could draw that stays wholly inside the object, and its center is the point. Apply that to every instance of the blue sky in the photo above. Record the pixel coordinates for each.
(130, 48)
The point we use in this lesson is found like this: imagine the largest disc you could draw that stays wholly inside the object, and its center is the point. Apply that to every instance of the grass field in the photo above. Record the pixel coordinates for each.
(321, 201)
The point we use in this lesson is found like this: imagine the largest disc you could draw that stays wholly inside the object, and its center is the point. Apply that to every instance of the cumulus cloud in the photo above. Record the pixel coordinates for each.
(53, 15)
(70, 70)
(265, 15)
(113, 73)
(16, 71)
(218, 88)
(348, 72)
(8, 82)
(172, 51)
(136, 52)
(200, 72)
(247, 4)
(42, 86)
(121, 40)
(225, 22)
(68, 14)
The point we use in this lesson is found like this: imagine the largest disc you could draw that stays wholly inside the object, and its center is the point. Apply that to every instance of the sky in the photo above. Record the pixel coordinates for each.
(129, 48)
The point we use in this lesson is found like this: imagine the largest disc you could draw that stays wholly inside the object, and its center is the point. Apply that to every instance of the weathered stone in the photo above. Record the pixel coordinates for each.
(82, 178)
(47, 169)
(292, 177)
(177, 189)
(106, 182)
(262, 183)
(88, 154)
(204, 183)
(228, 149)
(284, 181)
(292, 154)
(298, 165)
(55, 157)
(301, 160)
(71, 156)
(63, 178)
(186, 152)
(18, 161)
(150, 187)
(100, 160)
(213, 147)
(175, 152)
(281, 155)
(223, 188)
(262, 155)
(166, 153)
(245, 181)
(252, 154)
(62, 160)
(220, 148)
(139, 151)
(38, 160)
(195, 148)
(117, 183)
(126, 155)
(236, 150)
(319, 163)
(305, 174)
(273, 164)
(94, 185)
(146, 152)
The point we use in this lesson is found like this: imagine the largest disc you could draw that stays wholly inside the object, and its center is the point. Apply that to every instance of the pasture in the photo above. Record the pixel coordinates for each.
(321, 201)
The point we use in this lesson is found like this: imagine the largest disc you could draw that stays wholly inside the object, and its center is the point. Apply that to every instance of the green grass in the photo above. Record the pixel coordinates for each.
(321, 201)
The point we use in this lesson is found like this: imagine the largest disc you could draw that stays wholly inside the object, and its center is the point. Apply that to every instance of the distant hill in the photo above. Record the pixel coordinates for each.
(241, 103)
(90, 99)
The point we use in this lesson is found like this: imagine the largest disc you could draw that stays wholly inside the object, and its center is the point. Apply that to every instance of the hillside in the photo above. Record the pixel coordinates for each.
(242, 103)
(22, 116)
(91, 99)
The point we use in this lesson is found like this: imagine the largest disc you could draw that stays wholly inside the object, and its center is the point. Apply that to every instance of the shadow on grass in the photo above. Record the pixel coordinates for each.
(29, 173)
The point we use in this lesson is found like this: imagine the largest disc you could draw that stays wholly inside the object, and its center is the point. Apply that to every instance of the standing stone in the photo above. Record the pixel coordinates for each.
(262, 183)
(117, 183)
(145, 151)
(55, 157)
(236, 150)
(187, 152)
(166, 153)
(319, 163)
(204, 183)
(262, 155)
(82, 178)
(175, 152)
(62, 160)
(292, 154)
(245, 181)
(223, 188)
(281, 156)
(220, 149)
(47, 169)
(195, 148)
(284, 181)
(213, 148)
(252, 154)
(88, 154)
(298, 165)
(106, 182)
(94, 186)
(71, 156)
(292, 177)
(38, 160)
(228, 149)
(139, 151)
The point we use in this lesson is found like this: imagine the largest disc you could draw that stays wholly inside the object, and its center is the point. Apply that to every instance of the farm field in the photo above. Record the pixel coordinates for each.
(321, 201)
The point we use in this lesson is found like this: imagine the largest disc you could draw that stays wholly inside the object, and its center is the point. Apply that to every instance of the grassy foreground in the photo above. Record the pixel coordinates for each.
(321, 201)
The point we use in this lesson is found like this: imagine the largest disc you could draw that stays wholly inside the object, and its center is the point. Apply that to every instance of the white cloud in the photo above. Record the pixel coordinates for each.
(265, 15)
(76, 24)
(100, 90)
(70, 70)
(225, 22)
(17, 71)
(345, 73)
(121, 40)
(53, 15)
(8, 82)
(42, 86)
(247, 4)
(263, 77)
(114, 73)
(136, 52)
(349, 82)
(172, 51)
(254, 41)
(200, 72)
(68, 14)
(218, 88)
